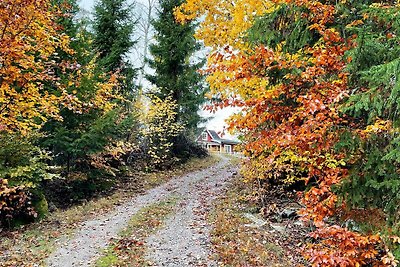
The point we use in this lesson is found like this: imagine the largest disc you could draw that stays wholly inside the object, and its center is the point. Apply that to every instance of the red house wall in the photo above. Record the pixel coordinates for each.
(200, 138)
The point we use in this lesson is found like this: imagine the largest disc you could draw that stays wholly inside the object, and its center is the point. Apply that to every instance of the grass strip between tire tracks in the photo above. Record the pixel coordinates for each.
(130, 248)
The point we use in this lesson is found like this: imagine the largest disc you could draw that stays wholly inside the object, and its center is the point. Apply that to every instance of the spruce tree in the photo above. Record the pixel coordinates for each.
(81, 134)
(113, 28)
(175, 73)
(374, 105)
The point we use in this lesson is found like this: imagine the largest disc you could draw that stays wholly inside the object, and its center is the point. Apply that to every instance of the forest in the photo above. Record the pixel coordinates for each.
(315, 82)
(73, 115)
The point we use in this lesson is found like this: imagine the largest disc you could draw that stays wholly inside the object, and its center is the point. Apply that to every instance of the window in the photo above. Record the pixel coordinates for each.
(204, 136)
(228, 148)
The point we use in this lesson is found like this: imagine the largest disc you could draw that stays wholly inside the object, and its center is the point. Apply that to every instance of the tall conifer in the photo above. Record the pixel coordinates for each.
(175, 72)
(113, 28)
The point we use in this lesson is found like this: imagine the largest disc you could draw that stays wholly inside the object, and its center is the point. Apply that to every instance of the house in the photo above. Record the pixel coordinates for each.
(214, 143)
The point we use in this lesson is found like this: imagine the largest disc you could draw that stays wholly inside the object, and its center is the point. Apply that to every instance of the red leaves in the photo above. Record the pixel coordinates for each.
(291, 118)
(338, 246)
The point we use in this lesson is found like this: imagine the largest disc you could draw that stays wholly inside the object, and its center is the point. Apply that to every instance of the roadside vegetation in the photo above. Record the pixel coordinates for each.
(242, 235)
(74, 124)
(34, 242)
(316, 84)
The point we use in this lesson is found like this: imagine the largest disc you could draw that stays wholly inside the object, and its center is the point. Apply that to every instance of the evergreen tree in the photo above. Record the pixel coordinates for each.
(81, 134)
(113, 27)
(70, 9)
(175, 74)
(374, 107)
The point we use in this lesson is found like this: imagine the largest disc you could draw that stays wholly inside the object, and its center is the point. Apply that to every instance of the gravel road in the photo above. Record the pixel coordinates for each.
(183, 241)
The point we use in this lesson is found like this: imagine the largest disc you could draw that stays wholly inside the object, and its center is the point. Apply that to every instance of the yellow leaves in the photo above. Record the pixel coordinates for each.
(287, 168)
(160, 126)
(328, 161)
(225, 22)
(28, 48)
(378, 127)
(64, 43)
(354, 23)
(390, 260)
(28, 39)
(395, 239)
(104, 94)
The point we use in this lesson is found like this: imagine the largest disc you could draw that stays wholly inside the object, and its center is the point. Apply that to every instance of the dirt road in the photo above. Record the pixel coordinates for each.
(184, 241)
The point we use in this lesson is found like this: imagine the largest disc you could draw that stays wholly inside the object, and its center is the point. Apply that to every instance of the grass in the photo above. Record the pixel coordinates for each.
(129, 249)
(236, 244)
(33, 243)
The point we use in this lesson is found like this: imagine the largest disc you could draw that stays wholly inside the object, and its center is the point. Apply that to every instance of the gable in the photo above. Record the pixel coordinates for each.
(214, 135)
(204, 136)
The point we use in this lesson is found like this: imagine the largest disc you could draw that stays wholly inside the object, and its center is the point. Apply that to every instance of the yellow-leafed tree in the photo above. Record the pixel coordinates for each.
(29, 37)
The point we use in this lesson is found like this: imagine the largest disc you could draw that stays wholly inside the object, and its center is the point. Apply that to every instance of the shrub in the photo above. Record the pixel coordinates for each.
(160, 128)
(14, 203)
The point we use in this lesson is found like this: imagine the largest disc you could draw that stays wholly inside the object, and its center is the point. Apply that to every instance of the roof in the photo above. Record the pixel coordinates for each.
(216, 139)
(214, 135)
(230, 142)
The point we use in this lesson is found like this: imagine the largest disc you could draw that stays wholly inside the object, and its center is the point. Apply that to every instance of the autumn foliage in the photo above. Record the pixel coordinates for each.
(287, 65)
(72, 124)
(28, 40)
(55, 101)
(160, 127)
(14, 202)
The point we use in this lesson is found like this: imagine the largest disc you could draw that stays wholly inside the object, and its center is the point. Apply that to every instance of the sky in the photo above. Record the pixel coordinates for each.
(217, 120)
(86, 4)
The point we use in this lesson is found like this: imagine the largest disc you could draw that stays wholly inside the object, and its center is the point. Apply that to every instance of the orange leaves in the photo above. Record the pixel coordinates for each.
(338, 246)
(290, 101)
(28, 39)
(31, 89)
(13, 202)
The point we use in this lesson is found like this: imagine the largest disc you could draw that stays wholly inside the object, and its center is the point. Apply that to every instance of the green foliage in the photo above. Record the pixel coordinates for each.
(373, 149)
(94, 120)
(70, 9)
(23, 169)
(113, 28)
(75, 140)
(373, 181)
(172, 59)
(22, 162)
(286, 25)
(40, 204)
(103, 119)
(185, 148)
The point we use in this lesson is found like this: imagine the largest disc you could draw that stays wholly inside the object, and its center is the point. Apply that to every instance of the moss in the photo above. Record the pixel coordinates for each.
(107, 260)
(41, 207)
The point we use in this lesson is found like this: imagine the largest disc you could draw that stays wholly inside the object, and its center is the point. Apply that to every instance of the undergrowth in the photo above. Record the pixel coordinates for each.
(236, 243)
(33, 243)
